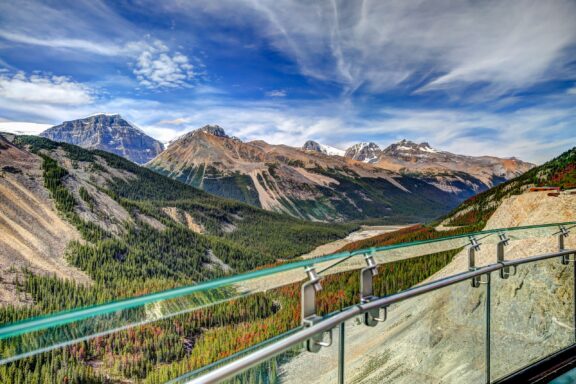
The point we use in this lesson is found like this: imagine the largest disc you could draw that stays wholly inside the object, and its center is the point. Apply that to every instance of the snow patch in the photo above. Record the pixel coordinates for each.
(331, 150)
(102, 113)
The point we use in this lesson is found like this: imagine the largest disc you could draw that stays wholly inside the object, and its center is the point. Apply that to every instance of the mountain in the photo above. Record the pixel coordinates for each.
(309, 183)
(108, 132)
(409, 157)
(321, 148)
(94, 217)
(366, 152)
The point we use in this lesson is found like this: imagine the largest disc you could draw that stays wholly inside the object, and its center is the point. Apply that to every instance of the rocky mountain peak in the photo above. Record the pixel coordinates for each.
(311, 145)
(108, 132)
(214, 130)
(407, 147)
(366, 152)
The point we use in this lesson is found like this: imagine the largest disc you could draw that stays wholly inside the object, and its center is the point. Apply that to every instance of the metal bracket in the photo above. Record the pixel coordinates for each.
(371, 317)
(506, 271)
(561, 236)
(472, 249)
(309, 316)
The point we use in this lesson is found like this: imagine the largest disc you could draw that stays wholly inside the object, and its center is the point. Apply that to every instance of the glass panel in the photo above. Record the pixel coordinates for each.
(437, 337)
(43, 333)
(532, 314)
(266, 368)
(294, 366)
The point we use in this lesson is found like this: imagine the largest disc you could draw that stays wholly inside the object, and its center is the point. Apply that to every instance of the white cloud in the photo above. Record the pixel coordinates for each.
(277, 93)
(45, 89)
(157, 68)
(534, 134)
(23, 128)
(571, 91)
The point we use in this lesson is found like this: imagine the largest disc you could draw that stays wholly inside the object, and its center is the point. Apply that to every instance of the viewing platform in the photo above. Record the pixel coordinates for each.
(500, 307)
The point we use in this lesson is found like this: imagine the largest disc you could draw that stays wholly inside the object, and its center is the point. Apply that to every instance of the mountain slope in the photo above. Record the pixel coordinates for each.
(315, 182)
(54, 194)
(558, 172)
(108, 132)
(303, 183)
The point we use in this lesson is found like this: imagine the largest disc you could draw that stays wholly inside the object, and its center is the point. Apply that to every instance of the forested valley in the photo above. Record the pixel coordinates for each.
(172, 237)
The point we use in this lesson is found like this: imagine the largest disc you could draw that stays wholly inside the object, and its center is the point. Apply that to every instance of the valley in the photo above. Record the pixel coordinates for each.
(123, 216)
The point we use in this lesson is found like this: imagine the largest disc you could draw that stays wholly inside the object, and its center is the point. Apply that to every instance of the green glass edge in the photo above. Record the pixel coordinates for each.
(66, 317)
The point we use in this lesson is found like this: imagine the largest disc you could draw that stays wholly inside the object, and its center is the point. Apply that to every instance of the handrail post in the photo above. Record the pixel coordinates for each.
(367, 274)
(309, 316)
(488, 315)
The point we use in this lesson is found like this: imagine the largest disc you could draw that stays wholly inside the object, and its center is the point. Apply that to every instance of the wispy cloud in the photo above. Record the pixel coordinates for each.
(45, 89)
(99, 48)
(437, 45)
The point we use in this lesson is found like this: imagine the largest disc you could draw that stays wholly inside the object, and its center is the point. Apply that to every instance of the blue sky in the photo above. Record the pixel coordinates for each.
(473, 77)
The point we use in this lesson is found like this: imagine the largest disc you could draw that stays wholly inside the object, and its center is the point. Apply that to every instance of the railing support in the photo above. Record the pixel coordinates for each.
(472, 249)
(561, 236)
(309, 316)
(488, 328)
(507, 271)
(367, 274)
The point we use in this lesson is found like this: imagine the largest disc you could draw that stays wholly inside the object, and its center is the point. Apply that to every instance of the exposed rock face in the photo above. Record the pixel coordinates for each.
(311, 145)
(108, 132)
(32, 234)
(366, 152)
(214, 130)
(406, 148)
(441, 337)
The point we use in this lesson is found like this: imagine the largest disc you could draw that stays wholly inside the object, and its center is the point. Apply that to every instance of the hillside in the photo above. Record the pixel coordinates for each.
(313, 183)
(108, 132)
(163, 217)
(55, 194)
(558, 172)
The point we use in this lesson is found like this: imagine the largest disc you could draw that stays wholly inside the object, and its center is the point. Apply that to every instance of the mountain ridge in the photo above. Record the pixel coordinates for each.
(310, 183)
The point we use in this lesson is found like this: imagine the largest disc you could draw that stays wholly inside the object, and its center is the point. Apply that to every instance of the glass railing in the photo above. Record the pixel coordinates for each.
(358, 352)
(520, 312)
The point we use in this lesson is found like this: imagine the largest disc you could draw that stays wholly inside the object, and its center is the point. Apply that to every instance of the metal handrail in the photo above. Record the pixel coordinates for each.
(243, 363)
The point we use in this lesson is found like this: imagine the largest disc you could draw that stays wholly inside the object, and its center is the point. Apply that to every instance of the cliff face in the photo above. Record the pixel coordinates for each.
(110, 133)
(440, 337)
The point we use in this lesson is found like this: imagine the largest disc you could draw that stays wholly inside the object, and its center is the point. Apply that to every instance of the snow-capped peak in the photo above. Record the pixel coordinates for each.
(409, 147)
(332, 151)
(366, 152)
(311, 145)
